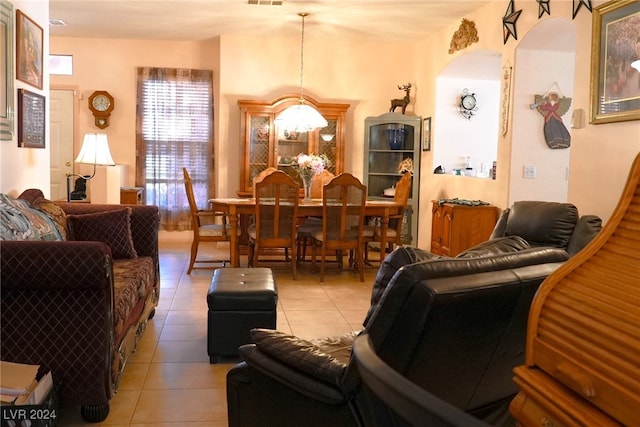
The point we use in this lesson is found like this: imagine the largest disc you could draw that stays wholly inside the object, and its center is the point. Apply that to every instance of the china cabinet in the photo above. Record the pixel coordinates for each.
(392, 139)
(455, 227)
(265, 144)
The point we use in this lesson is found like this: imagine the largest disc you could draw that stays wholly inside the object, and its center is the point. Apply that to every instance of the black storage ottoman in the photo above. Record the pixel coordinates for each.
(239, 299)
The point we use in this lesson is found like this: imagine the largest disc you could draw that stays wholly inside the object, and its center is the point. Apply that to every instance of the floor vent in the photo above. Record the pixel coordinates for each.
(266, 2)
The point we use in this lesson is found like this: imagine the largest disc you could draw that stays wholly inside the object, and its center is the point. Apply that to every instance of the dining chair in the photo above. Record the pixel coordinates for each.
(260, 176)
(208, 226)
(394, 229)
(312, 224)
(343, 207)
(277, 196)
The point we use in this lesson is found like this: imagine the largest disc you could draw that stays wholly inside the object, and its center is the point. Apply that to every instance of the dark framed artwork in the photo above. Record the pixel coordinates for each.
(426, 134)
(615, 62)
(31, 119)
(6, 70)
(29, 54)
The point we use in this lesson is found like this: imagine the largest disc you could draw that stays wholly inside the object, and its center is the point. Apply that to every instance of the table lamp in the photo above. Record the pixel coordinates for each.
(95, 151)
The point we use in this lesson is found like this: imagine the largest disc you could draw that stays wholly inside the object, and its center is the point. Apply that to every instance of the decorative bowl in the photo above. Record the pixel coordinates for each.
(327, 136)
(389, 192)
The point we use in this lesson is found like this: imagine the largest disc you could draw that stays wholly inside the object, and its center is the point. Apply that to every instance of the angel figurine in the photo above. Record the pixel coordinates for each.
(553, 107)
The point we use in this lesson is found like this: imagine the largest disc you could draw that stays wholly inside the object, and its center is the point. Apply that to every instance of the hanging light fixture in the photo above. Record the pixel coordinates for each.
(301, 117)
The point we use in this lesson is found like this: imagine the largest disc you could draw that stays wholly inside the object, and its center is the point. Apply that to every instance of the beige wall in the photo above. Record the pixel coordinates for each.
(22, 168)
(362, 73)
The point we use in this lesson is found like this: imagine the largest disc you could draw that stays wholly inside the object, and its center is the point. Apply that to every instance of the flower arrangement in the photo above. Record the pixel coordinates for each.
(308, 165)
(406, 166)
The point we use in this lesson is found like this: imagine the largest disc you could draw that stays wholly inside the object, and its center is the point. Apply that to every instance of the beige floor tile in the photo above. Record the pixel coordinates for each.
(135, 376)
(181, 406)
(193, 332)
(186, 317)
(181, 351)
(165, 376)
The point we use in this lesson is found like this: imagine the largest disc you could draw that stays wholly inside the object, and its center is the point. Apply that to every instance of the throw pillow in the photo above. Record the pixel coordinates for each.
(20, 221)
(112, 227)
(55, 212)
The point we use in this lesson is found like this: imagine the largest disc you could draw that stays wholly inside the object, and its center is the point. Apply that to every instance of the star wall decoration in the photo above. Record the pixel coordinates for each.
(577, 4)
(543, 7)
(509, 22)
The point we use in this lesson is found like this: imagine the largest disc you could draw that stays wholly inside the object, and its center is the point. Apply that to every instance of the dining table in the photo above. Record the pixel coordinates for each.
(235, 207)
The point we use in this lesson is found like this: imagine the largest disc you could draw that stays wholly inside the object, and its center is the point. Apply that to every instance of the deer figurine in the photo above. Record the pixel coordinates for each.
(402, 102)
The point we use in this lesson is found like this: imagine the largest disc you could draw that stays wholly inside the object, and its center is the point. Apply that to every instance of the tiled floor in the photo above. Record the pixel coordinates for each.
(169, 381)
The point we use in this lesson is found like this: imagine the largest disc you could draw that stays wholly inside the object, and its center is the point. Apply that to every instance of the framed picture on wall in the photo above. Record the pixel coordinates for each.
(615, 62)
(426, 134)
(6, 72)
(31, 119)
(29, 52)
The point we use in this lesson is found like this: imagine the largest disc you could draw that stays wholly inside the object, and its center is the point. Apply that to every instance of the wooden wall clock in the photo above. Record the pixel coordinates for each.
(101, 104)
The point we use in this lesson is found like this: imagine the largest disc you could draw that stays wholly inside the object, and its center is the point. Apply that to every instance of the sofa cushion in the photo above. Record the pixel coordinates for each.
(112, 227)
(305, 355)
(55, 212)
(19, 221)
(131, 279)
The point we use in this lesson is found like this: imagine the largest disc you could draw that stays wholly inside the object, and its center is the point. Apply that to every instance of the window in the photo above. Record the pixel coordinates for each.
(174, 125)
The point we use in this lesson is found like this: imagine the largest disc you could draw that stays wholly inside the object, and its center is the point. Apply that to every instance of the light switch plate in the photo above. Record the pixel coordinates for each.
(529, 172)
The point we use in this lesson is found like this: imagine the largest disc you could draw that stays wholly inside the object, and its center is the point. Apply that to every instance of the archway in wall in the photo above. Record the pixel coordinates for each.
(461, 142)
(544, 63)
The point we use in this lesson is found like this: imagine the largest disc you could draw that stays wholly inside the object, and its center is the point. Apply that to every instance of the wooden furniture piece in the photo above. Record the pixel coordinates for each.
(343, 202)
(240, 207)
(208, 226)
(390, 139)
(277, 197)
(131, 195)
(582, 363)
(457, 227)
(266, 145)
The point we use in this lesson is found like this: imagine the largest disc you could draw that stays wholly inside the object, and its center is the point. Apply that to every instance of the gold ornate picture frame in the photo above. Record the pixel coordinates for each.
(615, 82)
(29, 51)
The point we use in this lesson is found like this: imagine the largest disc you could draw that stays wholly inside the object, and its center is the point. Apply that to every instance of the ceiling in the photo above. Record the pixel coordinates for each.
(191, 20)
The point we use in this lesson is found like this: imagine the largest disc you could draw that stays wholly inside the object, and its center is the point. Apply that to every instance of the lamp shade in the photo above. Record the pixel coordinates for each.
(301, 118)
(95, 150)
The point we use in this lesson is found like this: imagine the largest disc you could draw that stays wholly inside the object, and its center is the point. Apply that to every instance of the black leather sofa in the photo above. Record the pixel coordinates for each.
(455, 327)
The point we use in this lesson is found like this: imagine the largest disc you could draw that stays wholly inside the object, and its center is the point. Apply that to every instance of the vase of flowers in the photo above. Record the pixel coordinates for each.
(307, 166)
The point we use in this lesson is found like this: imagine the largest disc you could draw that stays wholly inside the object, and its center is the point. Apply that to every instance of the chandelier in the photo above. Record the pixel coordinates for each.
(301, 117)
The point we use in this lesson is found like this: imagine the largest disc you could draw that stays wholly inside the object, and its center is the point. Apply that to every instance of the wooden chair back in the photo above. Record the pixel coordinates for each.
(343, 207)
(277, 197)
(319, 181)
(260, 176)
(208, 225)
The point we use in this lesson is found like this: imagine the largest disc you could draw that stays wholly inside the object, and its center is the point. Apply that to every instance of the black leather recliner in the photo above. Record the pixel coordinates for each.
(455, 327)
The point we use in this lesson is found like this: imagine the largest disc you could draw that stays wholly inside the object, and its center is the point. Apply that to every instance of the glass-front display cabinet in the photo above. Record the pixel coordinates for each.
(265, 144)
(392, 146)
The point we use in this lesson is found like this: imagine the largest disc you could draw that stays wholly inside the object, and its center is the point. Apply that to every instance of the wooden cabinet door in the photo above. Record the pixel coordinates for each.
(265, 145)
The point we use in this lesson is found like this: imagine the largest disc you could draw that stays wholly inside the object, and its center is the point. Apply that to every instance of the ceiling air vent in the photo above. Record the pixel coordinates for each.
(55, 22)
(266, 2)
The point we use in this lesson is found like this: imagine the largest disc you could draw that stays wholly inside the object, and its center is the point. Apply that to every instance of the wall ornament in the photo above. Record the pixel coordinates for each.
(465, 35)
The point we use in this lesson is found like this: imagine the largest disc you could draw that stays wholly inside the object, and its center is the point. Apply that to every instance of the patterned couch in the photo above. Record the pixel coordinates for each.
(78, 283)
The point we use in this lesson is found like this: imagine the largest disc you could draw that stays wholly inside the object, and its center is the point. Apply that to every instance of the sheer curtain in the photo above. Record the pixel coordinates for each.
(174, 129)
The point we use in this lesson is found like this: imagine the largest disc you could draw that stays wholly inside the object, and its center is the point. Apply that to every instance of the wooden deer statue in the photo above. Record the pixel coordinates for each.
(402, 102)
